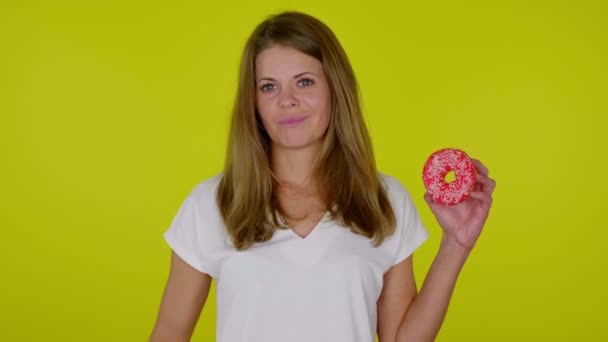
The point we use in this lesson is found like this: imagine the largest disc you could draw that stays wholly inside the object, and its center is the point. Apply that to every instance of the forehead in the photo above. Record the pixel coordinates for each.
(278, 60)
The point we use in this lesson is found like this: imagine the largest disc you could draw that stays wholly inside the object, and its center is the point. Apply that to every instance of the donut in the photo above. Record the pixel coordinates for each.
(436, 168)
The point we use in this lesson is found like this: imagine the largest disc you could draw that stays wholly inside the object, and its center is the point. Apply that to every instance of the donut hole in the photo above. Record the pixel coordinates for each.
(450, 177)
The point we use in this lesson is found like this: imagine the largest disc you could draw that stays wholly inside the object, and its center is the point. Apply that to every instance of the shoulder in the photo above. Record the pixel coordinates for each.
(410, 232)
(200, 204)
(204, 192)
(394, 188)
(401, 201)
(196, 233)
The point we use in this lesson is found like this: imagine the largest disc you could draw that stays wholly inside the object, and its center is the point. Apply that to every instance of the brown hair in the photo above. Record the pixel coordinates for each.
(346, 169)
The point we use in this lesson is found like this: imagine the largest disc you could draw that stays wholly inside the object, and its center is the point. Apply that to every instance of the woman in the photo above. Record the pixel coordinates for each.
(305, 239)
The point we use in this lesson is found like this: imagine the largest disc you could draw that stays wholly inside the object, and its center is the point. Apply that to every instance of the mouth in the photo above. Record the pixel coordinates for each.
(293, 120)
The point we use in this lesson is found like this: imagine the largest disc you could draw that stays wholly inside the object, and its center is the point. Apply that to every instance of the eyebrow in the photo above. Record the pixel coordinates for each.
(296, 76)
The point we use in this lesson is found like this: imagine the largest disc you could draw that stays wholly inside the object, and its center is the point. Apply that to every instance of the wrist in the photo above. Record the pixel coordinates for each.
(451, 246)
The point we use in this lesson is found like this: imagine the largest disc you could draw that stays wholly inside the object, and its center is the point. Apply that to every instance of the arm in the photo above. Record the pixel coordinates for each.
(398, 291)
(462, 224)
(183, 299)
(404, 315)
(426, 313)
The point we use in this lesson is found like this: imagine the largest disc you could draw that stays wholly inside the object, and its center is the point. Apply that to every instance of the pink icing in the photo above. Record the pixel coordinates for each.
(438, 165)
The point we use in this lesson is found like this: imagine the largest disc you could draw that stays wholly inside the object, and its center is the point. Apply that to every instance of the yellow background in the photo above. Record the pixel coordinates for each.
(111, 112)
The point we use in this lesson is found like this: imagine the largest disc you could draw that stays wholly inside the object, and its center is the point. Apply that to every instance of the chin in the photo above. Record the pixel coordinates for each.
(294, 144)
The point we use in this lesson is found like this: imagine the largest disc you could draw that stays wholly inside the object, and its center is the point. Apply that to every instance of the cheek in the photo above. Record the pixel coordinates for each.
(326, 101)
(320, 103)
(328, 106)
(323, 114)
(259, 106)
(262, 109)
(325, 108)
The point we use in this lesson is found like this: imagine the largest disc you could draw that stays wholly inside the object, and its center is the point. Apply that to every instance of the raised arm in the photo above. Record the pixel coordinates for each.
(425, 314)
(461, 224)
(183, 299)
(404, 314)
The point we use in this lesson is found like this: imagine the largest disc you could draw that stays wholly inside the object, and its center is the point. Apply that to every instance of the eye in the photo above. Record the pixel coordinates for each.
(266, 87)
(305, 82)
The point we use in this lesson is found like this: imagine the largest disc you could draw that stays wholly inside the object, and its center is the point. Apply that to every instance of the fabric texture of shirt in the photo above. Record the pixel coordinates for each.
(323, 287)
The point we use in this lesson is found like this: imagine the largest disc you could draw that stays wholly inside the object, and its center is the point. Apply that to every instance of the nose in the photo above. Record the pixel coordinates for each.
(287, 99)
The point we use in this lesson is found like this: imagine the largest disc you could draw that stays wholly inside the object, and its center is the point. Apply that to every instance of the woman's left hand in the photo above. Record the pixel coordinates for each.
(462, 223)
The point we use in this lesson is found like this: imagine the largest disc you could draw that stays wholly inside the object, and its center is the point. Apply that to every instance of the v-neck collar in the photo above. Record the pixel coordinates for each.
(314, 230)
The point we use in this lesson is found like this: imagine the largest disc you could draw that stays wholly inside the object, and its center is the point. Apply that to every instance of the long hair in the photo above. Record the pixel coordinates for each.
(345, 167)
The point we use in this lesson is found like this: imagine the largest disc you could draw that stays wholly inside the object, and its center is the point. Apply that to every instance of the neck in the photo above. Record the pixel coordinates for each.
(294, 167)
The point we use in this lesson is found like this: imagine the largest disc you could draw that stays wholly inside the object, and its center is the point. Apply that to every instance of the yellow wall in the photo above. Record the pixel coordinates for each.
(111, 113)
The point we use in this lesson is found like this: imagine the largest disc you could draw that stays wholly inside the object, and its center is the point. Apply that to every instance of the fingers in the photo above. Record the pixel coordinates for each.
(432, 204)
(482, 196)
(486, 184)
(480, 167)
(428, 199)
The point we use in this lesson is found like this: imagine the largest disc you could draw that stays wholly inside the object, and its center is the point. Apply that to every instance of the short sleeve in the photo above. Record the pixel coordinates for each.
(193, 233)
(410, 232)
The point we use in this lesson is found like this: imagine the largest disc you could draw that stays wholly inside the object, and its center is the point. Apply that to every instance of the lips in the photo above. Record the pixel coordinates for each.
(293, 120)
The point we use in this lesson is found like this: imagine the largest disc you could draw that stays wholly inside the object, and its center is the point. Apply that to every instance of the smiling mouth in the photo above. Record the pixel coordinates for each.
(291, 121)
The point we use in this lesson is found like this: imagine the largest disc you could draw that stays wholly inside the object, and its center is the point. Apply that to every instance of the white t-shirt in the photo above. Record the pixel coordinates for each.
(320, 288)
